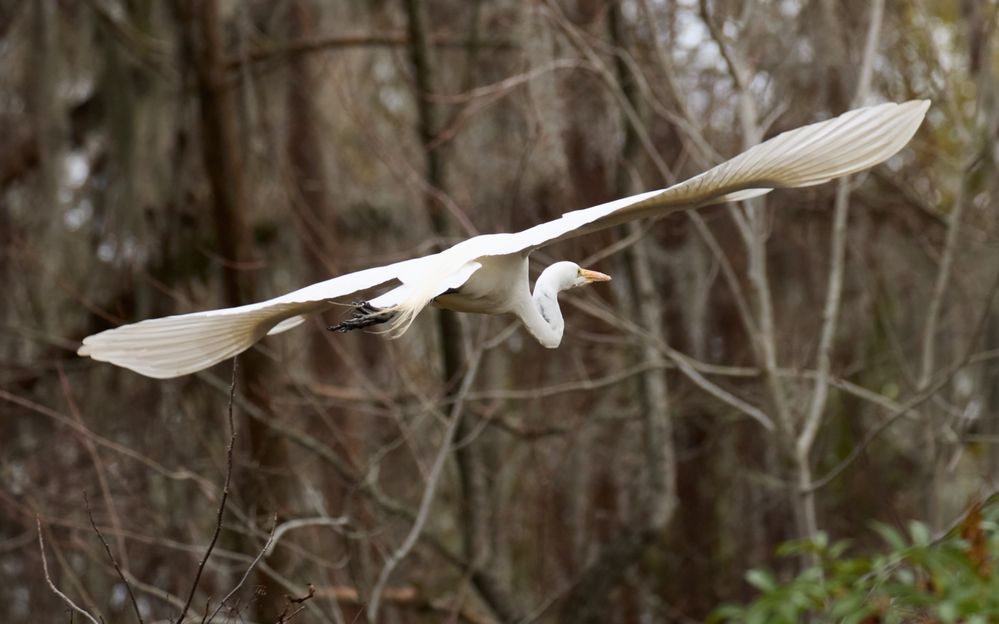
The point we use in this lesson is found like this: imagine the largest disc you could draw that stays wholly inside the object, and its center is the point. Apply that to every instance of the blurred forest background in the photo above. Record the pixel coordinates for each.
(796, 367)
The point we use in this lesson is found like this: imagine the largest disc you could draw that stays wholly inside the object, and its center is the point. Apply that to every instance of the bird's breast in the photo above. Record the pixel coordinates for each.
(494, 289)
(470, 302)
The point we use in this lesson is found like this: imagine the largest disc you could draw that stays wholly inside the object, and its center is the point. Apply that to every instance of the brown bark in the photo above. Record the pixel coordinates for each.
(220, 148)
(589, 599)
(223, 164)
(474, 489)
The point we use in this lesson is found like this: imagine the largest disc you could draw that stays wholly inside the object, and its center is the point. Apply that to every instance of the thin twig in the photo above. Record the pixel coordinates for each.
(925, 394)
(754, 233)
(834, 287)
(253, 564)
(48, 579)
(682, 363)
(834, 293)
(278, 532)
(408, 597)
(114, 562)
(99, 468)
(225, 494)
(361, 40)
(433, 479)
(943, 279)
(179, 475)
(292, 602)
(153, 591)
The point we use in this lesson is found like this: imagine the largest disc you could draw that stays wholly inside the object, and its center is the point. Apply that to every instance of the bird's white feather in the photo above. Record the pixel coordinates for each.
(285, 325)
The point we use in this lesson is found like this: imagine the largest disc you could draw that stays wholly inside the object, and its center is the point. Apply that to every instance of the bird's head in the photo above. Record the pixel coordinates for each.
(566, 275)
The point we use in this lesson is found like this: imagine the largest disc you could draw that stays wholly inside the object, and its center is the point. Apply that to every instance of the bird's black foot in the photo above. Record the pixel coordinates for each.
(363, 315)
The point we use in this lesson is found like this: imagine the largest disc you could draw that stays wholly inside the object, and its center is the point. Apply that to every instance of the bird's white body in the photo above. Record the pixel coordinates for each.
(490, 289)
(489, 274)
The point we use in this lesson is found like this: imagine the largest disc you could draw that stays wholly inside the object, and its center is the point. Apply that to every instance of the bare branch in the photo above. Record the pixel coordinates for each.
(925, 394)
(364, 40)
(943, 278)
(406, 597)
(682, 363)
(294, 606)
(95, 458)
(429, 491)
(834, 287)
(179, 475)
(298, 523)
(264, 551)
(224, 497)
(48, 579)
(114, 562)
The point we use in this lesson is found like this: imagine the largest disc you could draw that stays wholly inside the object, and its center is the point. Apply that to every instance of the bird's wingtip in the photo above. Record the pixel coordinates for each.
(84, 349)
(919, 106)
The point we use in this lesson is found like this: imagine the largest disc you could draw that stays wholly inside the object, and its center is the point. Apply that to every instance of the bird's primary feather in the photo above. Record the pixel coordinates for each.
(813, 154)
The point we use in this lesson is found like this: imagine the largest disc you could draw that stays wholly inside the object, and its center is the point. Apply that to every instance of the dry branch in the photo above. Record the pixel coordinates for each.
(222, 499)
(48, 579)
(114, 562)
(429, 491)
(331, 43)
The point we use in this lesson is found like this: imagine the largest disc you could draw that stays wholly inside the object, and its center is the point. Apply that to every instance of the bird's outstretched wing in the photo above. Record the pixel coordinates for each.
(806, 156)
(178, 345)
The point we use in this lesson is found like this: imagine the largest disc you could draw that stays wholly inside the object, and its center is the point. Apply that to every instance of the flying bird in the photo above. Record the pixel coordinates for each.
(488, 274)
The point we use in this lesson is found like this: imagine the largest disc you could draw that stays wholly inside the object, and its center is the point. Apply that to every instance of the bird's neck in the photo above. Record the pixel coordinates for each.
(542, 315)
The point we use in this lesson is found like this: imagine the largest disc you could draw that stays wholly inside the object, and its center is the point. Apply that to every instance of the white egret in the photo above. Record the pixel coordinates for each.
(488, 274)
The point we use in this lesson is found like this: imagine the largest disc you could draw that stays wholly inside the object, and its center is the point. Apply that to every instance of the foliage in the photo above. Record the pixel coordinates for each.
(917, 579)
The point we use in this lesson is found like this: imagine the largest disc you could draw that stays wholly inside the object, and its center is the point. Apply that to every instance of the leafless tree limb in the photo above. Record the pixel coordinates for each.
(682, 363)
(99, 467)
(223, 498)
(264, 551)
(834, 291)
(331, 43)
(754, 233)
(114, 562)
(48, 579)
(298, 523)
(294, 606)
(178, 475)
(919, 398)
(943, 277)
(430, 490)
(407, 597)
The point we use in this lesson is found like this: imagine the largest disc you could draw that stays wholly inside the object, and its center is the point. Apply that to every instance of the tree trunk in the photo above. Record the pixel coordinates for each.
(475, 500)
(265, 491)
(656, 497)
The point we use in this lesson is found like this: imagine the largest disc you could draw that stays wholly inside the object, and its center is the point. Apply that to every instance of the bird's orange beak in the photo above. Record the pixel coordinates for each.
(593, 276)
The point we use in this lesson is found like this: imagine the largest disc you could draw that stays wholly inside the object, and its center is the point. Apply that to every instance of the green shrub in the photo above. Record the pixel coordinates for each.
(918, 579)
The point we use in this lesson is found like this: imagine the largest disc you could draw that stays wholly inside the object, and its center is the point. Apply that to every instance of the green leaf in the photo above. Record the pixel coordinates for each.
(848, 606)
(761, 580)
(890, 535)
(920, 533)
(727, 613)
(836, 550)
(948, 612)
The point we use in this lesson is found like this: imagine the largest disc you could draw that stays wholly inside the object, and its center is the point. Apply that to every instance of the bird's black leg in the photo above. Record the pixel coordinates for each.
(363, 315)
